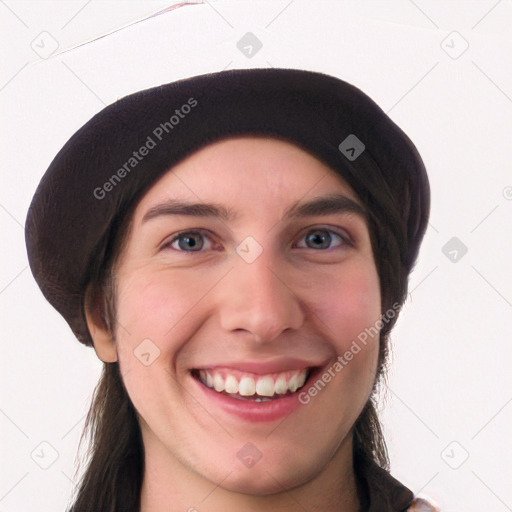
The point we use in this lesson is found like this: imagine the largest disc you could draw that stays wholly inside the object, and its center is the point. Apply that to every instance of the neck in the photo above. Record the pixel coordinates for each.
(170, 486)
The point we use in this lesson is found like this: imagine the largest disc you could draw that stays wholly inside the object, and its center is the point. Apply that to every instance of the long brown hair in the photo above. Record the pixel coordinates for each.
(113, 478)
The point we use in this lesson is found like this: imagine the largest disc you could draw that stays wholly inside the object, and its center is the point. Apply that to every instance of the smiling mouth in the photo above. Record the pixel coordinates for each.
(250, 386)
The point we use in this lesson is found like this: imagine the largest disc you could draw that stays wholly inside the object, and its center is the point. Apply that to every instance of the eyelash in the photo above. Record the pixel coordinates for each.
(344, 239)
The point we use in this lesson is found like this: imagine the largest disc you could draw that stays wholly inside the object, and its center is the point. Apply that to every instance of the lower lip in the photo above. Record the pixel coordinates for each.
(248, 410)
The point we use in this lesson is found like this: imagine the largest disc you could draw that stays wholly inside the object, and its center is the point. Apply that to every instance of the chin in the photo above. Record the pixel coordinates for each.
(262, 482)
(267, 476)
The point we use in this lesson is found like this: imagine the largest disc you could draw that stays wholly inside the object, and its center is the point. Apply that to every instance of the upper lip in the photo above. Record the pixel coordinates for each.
(263, 367)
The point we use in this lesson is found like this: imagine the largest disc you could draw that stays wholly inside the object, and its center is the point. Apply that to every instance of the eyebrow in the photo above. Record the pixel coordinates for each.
(331, 204)
(325, 205)
(190, 209)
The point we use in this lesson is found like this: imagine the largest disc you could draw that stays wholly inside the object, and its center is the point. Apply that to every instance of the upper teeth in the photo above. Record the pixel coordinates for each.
(251, 384)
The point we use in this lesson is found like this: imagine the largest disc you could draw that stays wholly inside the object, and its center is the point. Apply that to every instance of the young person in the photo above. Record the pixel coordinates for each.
(236, 248)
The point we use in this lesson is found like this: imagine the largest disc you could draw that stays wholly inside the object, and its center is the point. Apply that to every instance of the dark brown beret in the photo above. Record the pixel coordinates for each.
(108, 164)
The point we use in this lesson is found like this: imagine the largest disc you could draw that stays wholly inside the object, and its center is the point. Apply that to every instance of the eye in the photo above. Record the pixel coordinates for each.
(323, 239)
(189, 241)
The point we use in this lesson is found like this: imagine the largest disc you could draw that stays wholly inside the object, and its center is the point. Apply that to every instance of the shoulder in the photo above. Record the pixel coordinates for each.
(422, 505)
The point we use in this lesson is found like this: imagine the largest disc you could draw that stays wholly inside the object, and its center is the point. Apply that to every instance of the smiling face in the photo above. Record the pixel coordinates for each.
(247, 274)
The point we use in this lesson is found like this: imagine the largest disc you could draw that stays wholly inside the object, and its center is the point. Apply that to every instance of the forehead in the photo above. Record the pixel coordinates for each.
(253, 173)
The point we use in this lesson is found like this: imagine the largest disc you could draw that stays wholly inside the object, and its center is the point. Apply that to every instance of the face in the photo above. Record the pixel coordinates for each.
(247, 276)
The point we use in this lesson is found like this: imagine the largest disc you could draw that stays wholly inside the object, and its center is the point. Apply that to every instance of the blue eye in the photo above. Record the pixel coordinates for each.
(322, 239)
(189, 241)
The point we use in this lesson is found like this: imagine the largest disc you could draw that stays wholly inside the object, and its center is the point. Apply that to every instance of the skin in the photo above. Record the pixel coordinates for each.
(210, 306)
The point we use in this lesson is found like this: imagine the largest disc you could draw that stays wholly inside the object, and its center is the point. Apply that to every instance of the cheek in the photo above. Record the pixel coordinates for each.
(152, 305)
(154, 313)
(349, 303)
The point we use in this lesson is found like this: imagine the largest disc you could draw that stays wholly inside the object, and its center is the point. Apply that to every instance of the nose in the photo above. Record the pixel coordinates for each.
(257, 299)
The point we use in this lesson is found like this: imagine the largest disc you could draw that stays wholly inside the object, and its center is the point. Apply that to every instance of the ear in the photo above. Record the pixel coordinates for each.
(101, 334)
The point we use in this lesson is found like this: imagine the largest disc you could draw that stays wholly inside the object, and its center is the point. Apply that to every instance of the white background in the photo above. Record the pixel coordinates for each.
(449, 391)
